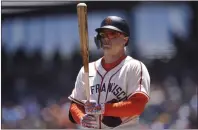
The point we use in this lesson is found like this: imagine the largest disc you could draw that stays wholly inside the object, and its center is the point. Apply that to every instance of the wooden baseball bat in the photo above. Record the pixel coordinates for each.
(83, 32)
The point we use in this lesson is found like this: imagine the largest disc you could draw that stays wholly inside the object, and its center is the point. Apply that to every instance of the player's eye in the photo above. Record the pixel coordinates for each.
(102, 34)
(110, 34)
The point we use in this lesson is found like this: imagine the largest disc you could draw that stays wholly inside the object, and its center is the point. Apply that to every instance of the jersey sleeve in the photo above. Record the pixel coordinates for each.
(138, 80)
(78, 93)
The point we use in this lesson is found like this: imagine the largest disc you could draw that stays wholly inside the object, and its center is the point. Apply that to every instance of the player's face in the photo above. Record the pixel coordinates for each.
(112, 41)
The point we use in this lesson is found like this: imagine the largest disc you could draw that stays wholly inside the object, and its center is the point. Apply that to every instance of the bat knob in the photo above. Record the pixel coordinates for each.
(81, 4)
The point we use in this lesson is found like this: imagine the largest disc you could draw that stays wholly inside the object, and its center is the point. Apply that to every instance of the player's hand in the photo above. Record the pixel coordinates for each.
(93, 108)
(89, 121)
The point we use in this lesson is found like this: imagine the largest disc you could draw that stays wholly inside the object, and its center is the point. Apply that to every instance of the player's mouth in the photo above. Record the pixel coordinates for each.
(106, 44)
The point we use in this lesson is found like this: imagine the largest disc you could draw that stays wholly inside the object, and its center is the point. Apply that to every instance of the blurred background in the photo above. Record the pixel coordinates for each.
(40, 58)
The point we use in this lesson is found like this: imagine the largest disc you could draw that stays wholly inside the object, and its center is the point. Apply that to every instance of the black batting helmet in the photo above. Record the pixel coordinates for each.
(113, 23)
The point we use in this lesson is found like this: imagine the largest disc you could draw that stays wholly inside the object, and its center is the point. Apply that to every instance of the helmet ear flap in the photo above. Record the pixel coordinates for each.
(97, 41)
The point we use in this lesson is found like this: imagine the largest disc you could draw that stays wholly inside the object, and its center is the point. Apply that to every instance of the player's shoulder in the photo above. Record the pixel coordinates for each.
(92, 65)
(134, 63)
(95, 64)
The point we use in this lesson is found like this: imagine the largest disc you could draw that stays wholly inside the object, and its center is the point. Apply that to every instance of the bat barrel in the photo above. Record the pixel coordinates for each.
(83, 32)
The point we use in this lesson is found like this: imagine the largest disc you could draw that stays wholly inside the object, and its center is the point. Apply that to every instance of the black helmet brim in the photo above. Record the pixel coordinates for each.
(109, 27)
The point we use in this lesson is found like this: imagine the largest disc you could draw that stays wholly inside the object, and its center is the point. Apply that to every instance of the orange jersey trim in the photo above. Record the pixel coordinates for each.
(77, 112)
(109, 66)
(131, 107)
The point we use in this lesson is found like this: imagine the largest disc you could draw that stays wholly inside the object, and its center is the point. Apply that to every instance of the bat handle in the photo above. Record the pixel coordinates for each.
(86, 76)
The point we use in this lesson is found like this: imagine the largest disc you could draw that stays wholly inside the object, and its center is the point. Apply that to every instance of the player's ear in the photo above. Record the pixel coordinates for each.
(126, 38)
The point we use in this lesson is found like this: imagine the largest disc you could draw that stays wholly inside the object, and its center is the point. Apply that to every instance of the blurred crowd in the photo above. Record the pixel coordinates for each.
(31, 84)
(172, 106)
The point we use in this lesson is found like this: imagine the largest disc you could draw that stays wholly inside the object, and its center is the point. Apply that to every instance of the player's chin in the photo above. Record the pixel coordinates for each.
(106, 47)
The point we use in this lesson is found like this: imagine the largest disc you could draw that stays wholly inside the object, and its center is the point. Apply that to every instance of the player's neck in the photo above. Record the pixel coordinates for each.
(113, 58)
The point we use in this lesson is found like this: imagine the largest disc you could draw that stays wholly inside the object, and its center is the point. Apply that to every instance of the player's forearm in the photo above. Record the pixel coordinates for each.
(77, 111)
(133, 106)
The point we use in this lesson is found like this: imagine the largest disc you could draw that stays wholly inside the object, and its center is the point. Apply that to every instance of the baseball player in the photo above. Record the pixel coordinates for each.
(119, 84)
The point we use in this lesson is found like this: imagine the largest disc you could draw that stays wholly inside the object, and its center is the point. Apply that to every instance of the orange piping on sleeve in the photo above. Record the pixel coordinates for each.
(131, 107)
